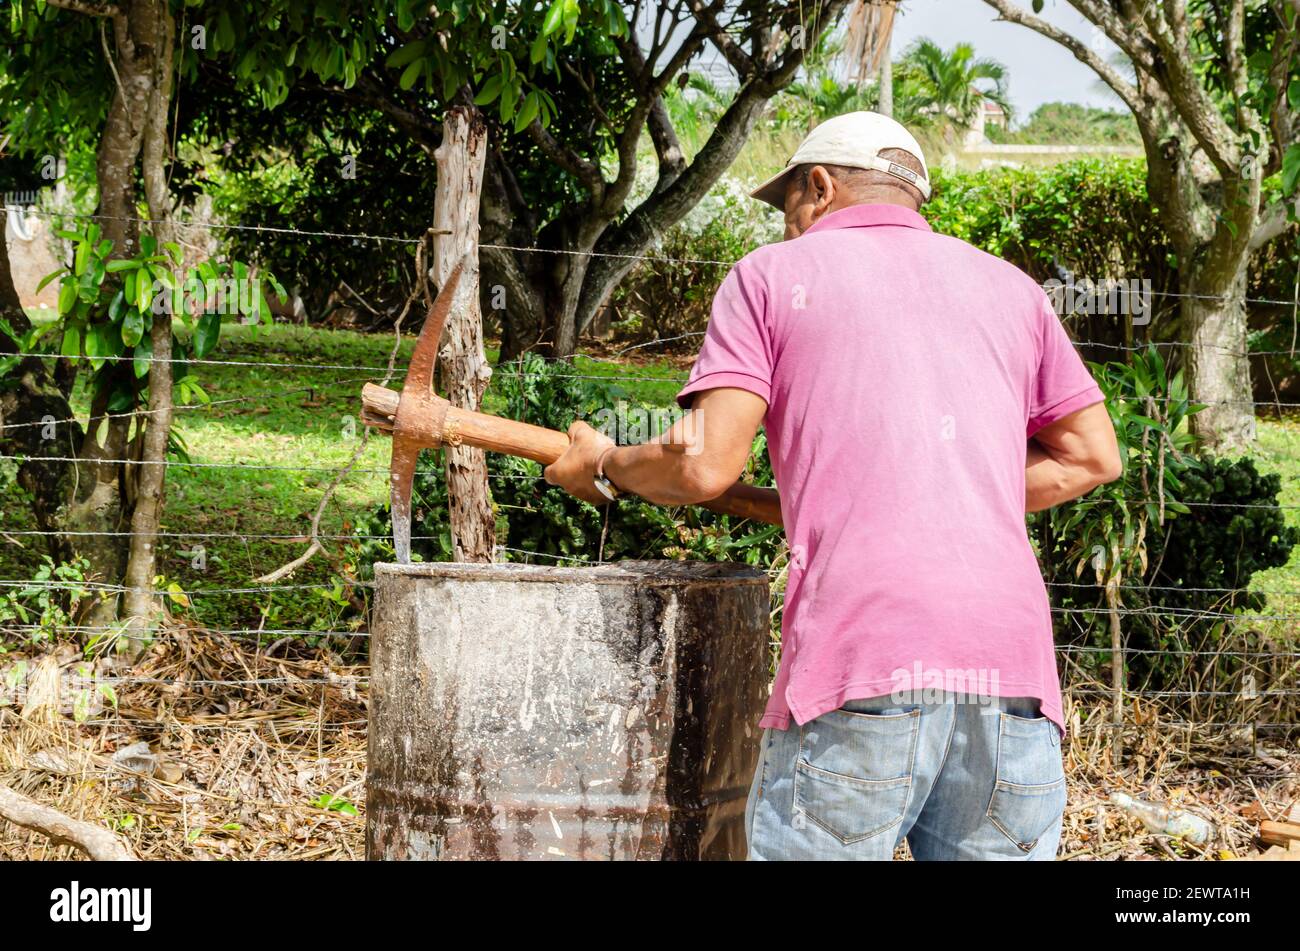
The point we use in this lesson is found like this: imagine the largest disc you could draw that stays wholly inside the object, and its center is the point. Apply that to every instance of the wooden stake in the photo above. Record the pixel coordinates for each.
(462, 365)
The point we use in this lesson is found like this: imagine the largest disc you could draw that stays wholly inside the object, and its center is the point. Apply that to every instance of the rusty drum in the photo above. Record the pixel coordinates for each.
(524, 712)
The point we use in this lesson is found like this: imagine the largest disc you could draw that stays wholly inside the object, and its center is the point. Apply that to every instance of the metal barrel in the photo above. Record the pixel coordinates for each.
(526, 712)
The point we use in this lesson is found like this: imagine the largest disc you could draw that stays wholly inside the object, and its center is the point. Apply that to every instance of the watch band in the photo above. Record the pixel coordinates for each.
(603, 484)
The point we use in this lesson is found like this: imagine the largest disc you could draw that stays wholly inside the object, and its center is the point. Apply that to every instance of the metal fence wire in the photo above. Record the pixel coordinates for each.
(1273, 656)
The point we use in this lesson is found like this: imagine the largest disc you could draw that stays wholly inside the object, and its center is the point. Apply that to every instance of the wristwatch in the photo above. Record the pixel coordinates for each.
(603, 485)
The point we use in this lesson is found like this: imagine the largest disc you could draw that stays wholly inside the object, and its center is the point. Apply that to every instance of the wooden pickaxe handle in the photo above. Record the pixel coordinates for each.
(448, 425)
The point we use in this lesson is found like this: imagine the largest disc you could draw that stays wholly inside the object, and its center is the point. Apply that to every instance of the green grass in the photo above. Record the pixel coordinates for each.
(1279, 451)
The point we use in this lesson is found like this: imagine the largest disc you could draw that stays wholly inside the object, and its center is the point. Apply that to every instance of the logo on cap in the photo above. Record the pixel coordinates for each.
(902, 172)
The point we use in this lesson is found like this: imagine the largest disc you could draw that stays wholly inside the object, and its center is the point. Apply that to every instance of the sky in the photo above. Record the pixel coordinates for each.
(1040, 70)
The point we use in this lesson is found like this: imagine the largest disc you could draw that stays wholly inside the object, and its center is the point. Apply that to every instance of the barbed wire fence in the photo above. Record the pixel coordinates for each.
(1283, 655)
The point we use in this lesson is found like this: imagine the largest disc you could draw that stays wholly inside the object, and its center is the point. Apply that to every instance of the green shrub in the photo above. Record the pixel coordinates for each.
(1168, 549)
(539, 522)
(1094, 219)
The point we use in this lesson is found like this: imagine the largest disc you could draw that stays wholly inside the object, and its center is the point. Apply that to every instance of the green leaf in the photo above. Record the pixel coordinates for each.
(162, 276)
(143, 290)
(491, 89)
(225, 32)
(206, 333)
(1038, 6)
(537, 52)
(528, 112)
(410, 74)
(618, 25)
(71, 346)
(143, 354)
(45, 281)
(1291, 169)
(114, 267)
(571, 13)
(67, 296)
(132, 328)
(509, 102)
(98, 345)
(554, 17)
(406, 54)
(116, 306)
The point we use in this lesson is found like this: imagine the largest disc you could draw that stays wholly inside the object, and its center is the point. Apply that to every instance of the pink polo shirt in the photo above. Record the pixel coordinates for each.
(903, 372)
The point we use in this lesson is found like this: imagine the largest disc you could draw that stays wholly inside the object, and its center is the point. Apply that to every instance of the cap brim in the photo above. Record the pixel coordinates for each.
(772, 191)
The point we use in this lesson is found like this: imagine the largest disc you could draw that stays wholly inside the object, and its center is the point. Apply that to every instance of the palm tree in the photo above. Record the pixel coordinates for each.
(825, 96)
(947, 89)
(866, 48)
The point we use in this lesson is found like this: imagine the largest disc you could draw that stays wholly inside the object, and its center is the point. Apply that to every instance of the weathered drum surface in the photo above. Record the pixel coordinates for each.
(523, 712)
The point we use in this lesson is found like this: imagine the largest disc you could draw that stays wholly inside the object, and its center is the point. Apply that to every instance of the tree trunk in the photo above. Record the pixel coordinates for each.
(462, 365)
(91, 502)
(885, 99)
(35, 419)
(100, 504)
(1218, 368)
(140, 604)
(639, 231)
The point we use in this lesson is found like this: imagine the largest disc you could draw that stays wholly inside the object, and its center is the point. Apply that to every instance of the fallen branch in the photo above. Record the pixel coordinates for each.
(98, 843)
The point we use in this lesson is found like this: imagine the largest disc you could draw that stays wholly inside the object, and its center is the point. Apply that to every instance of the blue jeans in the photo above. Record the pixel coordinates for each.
(958, 780)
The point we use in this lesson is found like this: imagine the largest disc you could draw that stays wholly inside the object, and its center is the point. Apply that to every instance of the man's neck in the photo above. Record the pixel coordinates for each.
(876, 198)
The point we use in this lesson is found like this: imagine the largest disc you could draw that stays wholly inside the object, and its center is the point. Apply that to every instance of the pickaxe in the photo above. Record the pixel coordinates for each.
(418, 418)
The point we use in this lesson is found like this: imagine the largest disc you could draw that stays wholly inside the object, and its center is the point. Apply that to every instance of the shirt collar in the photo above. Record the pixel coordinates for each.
(868, 215)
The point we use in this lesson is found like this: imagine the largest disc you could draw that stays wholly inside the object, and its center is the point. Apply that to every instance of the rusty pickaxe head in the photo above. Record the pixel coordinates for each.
(421, 413)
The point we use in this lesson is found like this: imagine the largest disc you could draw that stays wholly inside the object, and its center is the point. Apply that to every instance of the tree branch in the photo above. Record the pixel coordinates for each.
(737, 58)
(1195, 106)
(1273, 223)
(581, 168)
(1121, 32)
(672, 162)
(424, 129)
(88, 7)
(1109, 75)
(1282, 119)
(666, 206)
(96, 842)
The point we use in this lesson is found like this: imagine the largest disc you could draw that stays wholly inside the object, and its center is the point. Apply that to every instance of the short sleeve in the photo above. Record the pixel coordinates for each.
(737, 350)
(1062, 384)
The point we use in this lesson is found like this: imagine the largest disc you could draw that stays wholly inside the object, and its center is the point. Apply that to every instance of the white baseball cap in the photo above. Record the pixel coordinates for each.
(856, 140)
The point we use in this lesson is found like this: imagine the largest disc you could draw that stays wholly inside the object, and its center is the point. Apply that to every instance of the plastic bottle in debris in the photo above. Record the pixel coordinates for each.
(1164, 820)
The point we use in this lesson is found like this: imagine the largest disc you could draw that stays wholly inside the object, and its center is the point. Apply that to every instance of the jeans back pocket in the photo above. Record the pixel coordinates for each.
(1029, 791)
(853, 773)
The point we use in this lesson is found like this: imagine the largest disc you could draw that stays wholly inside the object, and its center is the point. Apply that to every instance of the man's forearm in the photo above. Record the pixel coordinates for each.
(1049, 481)
(660, 473)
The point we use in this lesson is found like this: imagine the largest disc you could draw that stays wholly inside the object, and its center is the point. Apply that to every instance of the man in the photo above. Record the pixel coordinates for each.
(920, 396)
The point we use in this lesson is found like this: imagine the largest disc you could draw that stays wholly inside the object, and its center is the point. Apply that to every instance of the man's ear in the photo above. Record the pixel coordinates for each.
(823, 188)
